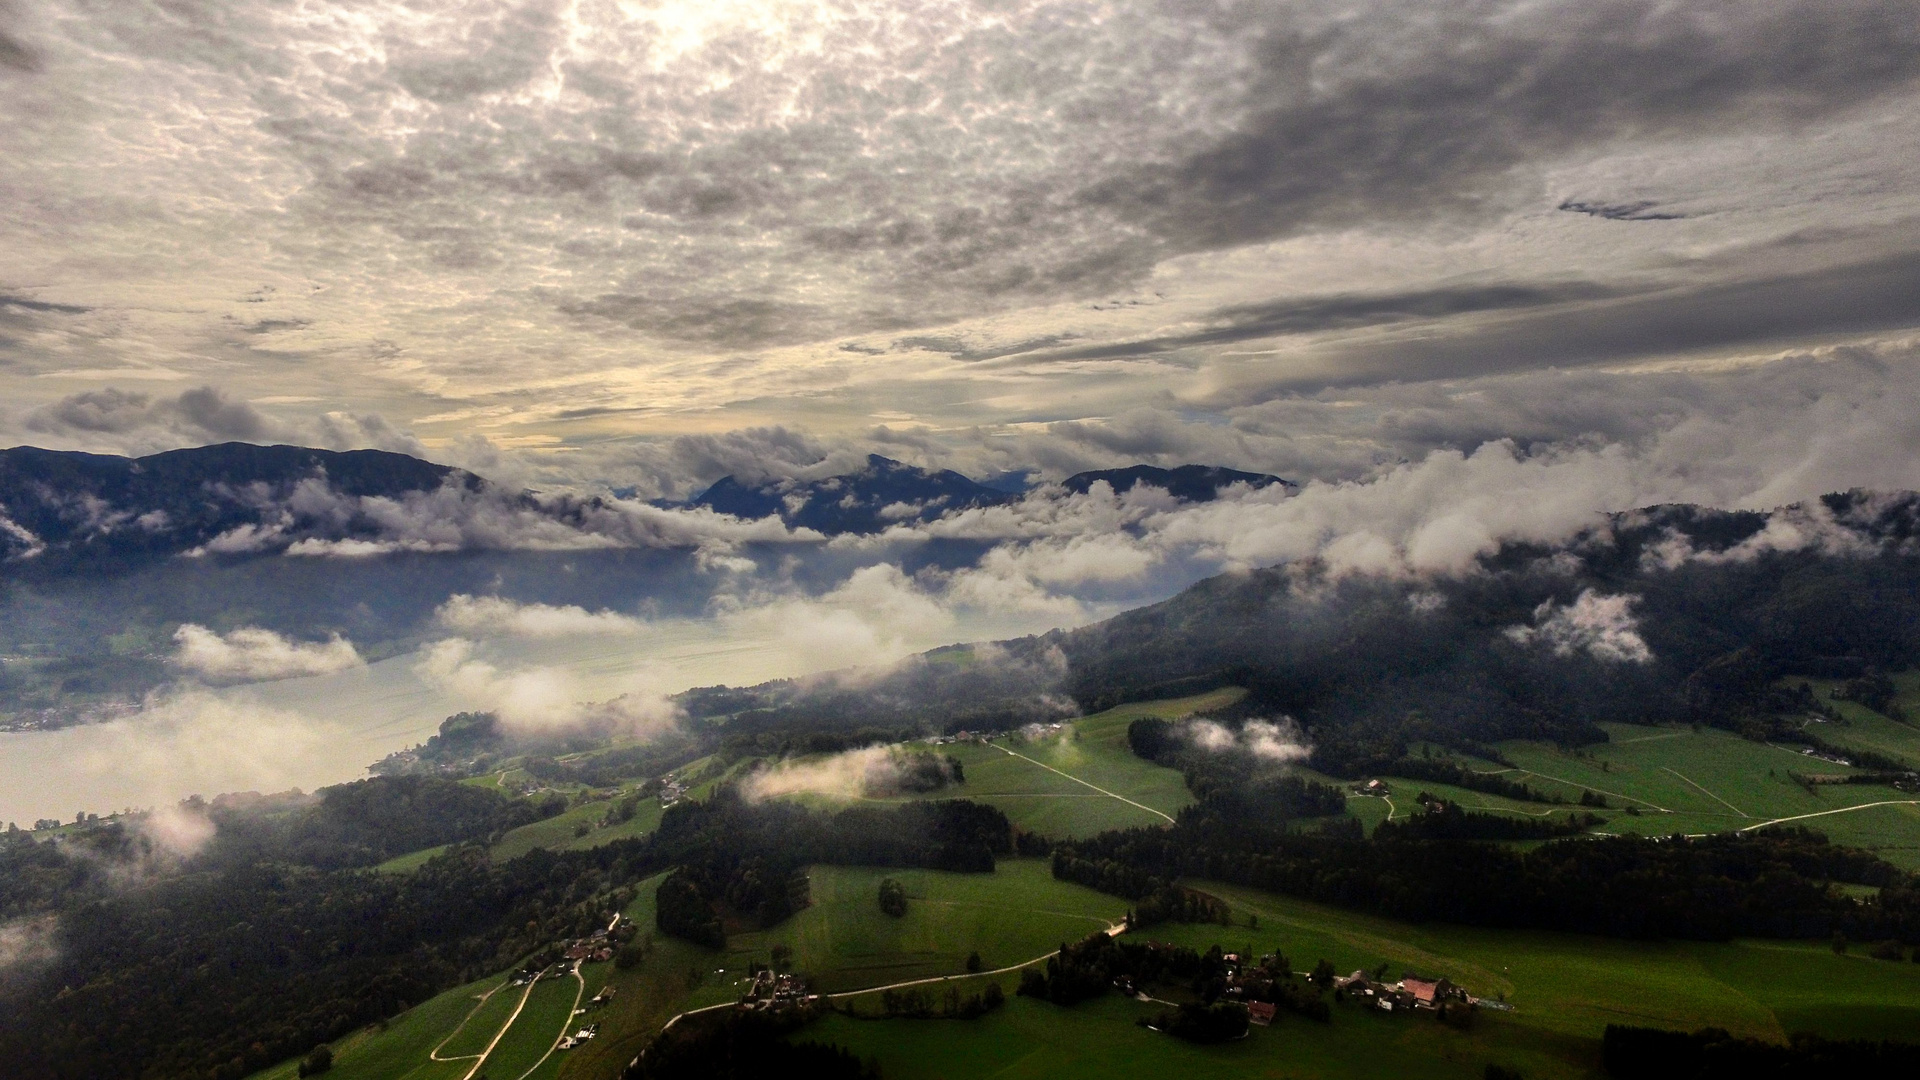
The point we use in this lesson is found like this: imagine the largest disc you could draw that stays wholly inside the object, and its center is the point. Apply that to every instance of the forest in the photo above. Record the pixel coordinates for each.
(243, 955)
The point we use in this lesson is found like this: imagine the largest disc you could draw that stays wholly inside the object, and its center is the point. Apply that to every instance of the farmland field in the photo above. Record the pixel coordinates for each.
(1565, 989)
(1082, 779)
(1686, 781)
(1010, 916)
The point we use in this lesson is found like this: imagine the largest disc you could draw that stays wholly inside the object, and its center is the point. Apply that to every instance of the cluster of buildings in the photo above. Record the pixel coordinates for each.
(774, 991)
(1410, 994)
(959, 737)
(672, 790)
(568, 1042)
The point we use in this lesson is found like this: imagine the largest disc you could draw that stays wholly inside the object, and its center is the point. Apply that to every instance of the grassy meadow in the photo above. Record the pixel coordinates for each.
(1083, 779)
(1564, 988)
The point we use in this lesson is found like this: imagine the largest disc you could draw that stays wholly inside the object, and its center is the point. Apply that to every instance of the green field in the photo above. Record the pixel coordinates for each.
(1565, 989)
(1686, 781)
(843, 940)
(1862, 728)
(1078, 781)
(400, 1048)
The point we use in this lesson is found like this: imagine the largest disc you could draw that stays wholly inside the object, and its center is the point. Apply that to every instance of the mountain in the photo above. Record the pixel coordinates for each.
(1193, 483)
(884, 493)
(888, 492)
(61, 510)
(1666, 614)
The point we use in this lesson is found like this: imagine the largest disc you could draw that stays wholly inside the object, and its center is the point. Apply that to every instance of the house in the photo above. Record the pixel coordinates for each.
(578, 952)
(1422, 991)
(1260, 1012)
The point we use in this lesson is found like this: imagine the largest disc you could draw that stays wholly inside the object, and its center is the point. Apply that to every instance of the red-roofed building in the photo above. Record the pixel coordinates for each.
(1260, 1012)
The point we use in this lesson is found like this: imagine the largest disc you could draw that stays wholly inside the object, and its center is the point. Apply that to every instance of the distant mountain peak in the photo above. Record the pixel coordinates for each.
(1193, 483)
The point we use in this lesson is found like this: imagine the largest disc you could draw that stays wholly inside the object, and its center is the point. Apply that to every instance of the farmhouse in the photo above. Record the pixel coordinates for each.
(1260, 1012)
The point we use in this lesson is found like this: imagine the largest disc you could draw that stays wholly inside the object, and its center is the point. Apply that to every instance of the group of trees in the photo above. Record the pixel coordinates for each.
(1444, 820)
(893, 897)
(744, 859)
(1712, 1054)
(274, 938)
(1769, 884)
(737, 1045)
(918, 1003)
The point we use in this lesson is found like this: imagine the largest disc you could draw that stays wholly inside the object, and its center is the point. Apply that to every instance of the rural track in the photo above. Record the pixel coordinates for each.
(572, 1011)
(1588, 787)
(481, 1058)
(1077, 780)
(1113, 930)
(1841, 810)
(1708, 794)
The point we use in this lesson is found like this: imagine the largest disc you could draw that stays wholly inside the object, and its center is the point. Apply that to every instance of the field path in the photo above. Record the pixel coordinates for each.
(572, 1011)
(1707, 793)
(434, 1054)
(1077, 780)
(1842, 810)
(1602, 791)
(481, 1058)
(1113, 930)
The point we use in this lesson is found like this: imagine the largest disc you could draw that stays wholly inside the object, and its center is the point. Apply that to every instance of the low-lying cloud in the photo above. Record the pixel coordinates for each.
(493, 616)
(869, 772)
(253, 654)
(1270, 740)
(27, 945)
(539, 697)
(1601, 626)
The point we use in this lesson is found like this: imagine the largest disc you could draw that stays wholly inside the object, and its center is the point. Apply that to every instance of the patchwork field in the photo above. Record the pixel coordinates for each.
(1685, 781)
(1082, 779)
(558, 833)
(1009, 917)
(1565, 990)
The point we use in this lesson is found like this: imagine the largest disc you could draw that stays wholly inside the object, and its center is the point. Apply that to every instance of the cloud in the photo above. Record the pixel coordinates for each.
(867, 772)
(535, 697)
(179, 830)
(486, 616)
(194, 739)
(1275, 740)
(1410, 113)
(139, 423)
(27, 945)
(875, 616)
(253, 654)
(1279, 741)
(1601, 626)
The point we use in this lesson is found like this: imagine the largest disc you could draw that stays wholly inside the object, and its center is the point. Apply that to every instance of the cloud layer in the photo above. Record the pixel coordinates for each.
(251, 654)
(565, 225)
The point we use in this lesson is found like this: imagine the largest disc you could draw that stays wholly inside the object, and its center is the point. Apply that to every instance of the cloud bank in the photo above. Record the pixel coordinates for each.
(1601, 626)
(251, 654)
(490, 616)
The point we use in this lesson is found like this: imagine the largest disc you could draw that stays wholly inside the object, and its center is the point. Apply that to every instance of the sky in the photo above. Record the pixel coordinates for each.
(639, 245)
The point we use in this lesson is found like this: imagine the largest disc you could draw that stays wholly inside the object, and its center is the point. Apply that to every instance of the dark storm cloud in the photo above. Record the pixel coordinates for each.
(1309, 315)
(22, 303)
(15, 55)
(1423, 112)
(204, 413)
(1632, 211)
(1847, 300)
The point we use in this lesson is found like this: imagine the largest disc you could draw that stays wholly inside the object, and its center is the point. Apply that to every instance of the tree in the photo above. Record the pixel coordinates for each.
(893, 897)
(973, 962)
(1323, 973)
(317, 1062)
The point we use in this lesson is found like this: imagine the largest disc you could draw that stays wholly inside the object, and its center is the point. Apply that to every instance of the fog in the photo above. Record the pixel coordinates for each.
(326, 729)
